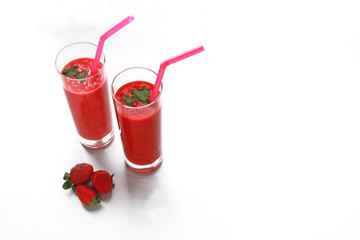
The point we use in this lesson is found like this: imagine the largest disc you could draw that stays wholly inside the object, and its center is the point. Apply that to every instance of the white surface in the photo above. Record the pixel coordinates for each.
(261, 131)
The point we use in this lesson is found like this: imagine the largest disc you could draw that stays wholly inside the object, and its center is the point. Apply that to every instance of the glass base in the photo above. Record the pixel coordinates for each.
(144, 168)
(100, 143)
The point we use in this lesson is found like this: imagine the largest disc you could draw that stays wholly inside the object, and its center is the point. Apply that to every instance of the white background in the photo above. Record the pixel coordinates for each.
(261, 131)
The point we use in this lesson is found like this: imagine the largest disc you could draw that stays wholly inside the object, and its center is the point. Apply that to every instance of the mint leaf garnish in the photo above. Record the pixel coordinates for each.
(70, 72)
(143, 95)
(73, 72)
(81, 75)
(129, 100)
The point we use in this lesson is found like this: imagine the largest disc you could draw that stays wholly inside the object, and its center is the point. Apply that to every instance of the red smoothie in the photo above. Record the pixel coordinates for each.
(88, 100)
(140, 125)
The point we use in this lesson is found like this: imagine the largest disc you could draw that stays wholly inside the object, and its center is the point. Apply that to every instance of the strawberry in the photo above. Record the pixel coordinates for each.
(87, 195)
(79, 174)
(102, 181)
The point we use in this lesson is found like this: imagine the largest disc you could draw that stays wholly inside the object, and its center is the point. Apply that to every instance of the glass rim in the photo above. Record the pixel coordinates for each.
(83, 79)
(130, 107)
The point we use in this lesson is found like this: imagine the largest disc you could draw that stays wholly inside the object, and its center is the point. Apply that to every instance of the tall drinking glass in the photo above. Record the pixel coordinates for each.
(140, 125)
(88, 98)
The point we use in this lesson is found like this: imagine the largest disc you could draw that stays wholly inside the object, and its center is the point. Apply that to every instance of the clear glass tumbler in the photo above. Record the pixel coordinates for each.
(88, 98)
(140, 126)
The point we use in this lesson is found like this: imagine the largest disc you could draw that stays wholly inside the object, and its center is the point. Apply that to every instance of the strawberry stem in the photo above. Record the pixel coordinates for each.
(68, 184)
(94, 201)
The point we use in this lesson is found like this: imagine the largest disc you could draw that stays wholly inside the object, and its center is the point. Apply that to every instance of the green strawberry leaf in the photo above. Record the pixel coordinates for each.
(94, 201)
(67, 184)
(112, 179)
(73, 187)
(66, 176)
(129, 100)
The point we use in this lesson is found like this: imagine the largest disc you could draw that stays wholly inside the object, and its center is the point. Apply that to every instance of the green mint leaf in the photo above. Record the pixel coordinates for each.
(129, 100)
(70, 72)
(70, 69)
(81, 75)
(143, 95)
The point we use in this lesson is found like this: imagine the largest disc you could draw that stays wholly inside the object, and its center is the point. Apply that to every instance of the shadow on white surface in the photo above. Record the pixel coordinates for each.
(95, 208)
(102, 158)
(140, 187)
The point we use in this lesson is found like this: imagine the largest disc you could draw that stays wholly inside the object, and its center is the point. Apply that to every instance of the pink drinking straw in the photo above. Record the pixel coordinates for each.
(168, 62)
(105, 36)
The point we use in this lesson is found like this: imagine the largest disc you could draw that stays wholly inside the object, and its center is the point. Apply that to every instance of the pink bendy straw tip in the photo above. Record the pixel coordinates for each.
(168, 62)
(105, 36)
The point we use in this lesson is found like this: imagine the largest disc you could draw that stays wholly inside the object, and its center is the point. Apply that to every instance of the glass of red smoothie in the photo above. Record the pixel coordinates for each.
(139, 124)
(88, 95)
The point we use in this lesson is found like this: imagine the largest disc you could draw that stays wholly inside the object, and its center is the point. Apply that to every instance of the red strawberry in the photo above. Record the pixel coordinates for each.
(87, 195)
(102, 181)
(81, 173)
